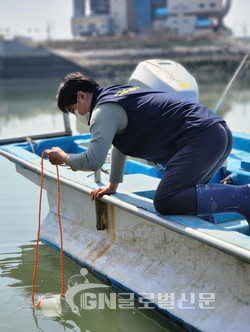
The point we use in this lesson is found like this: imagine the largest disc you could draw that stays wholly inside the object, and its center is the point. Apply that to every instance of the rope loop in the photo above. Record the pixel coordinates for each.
(38, 232)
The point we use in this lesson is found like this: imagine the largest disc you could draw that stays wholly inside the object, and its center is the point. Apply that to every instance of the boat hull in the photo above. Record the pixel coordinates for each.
(205, 287)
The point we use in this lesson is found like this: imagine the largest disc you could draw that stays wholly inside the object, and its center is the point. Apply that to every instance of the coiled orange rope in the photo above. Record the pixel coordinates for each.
(38, 232)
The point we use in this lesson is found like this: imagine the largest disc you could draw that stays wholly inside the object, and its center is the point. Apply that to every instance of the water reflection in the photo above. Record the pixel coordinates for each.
(28, 107)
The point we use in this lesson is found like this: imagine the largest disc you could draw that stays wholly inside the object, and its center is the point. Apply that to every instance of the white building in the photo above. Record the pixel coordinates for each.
(118, 12)
(93, 25)
(91, 17)
(194, 17)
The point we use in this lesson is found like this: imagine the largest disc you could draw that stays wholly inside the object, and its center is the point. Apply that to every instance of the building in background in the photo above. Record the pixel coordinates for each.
(116, 16)
(159, 14)
(79, 8)
(142, 16)
(195, 17)
(93, 25)
(91, 17)
(180, 17)
(100, 6)
(119, 11)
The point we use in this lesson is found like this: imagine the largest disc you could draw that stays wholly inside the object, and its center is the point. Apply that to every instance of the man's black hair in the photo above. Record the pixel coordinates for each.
(70, 85)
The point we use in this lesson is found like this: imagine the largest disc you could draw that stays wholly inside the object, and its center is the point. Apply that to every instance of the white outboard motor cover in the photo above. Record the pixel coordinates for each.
(165, 75)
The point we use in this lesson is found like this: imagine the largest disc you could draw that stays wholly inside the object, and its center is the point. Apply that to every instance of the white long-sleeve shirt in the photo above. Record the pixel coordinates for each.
(107, 120)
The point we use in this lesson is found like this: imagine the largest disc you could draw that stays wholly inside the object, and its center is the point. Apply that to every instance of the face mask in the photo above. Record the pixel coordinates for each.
(82, 118)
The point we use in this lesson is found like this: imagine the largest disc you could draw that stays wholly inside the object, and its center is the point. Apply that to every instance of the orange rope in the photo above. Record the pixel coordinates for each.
(38, 232)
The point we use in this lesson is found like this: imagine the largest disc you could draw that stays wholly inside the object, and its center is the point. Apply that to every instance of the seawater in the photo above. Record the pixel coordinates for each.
(29, 107)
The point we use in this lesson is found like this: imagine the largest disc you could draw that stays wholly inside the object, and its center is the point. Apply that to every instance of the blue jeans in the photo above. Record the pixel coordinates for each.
(195, 163)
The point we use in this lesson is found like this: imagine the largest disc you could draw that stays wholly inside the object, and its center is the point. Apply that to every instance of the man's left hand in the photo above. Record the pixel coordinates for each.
(104, 190)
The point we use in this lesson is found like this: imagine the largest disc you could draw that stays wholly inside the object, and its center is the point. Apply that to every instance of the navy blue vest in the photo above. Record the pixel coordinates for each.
(159, 123)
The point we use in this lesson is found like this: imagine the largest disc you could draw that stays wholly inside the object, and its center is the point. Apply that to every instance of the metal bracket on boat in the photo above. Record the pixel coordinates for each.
(97, 176)
(101, 215)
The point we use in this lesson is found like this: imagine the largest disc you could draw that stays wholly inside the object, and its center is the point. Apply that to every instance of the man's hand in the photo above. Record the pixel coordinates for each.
(57, 156)
(104, 190)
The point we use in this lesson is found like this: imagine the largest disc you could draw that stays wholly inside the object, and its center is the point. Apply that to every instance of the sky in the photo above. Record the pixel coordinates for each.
(42, 18)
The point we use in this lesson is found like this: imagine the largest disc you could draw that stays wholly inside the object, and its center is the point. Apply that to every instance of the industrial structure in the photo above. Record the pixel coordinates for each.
(180, 17)
(194, 17)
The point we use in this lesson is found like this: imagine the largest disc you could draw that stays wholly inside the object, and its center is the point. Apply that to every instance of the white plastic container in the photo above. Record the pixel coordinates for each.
(51, 305)
(165, 75)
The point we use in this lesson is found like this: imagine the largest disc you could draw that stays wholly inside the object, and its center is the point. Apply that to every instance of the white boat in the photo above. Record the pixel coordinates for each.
(195, 272)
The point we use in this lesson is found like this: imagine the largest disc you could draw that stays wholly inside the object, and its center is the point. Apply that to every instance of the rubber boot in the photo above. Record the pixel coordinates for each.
(219, 198)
